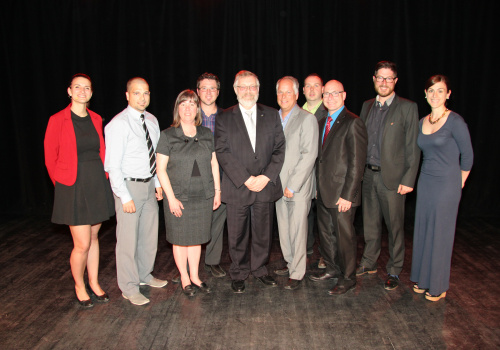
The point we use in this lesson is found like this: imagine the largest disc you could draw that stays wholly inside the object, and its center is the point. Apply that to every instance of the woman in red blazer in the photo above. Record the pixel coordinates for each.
(74, 156)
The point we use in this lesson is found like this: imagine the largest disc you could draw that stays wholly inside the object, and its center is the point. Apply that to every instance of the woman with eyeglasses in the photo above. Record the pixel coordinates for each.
(74, 156)
(189, 174)
(447, 160)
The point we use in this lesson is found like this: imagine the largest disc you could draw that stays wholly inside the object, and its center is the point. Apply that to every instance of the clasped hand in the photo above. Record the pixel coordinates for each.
(257, 183)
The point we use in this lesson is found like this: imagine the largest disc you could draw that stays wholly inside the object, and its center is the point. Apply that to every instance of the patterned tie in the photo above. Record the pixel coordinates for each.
(152, 156)
(327, 129)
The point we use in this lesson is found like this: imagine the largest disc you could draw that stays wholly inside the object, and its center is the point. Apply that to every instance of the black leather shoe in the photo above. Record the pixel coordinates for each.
(267, 281)
(86, 303)
(177, 278)
(102, 298)
(238, 286)
(282, 272)
(292, 284)
(342, 287)
(391, 282)
(216, 270)
(203, 287)
(322, 277)
(189, 290)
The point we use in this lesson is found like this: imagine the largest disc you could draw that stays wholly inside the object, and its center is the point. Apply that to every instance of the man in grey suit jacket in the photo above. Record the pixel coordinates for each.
(297, 179)
(391, 167)
(339, 171)
(250, 147)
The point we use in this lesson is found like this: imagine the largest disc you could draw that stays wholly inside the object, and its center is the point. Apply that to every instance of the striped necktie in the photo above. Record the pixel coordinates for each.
(152, 156)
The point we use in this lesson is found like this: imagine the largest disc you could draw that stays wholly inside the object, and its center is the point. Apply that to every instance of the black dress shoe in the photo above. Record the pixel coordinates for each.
(189, 290)
(391, 282)
(177, 278)
(342, 287)
(238, 286)
(282, 272)
(292, 284)
(322, 277)
(203, 287)
(216, 270)
(267, 281)
(85, 303)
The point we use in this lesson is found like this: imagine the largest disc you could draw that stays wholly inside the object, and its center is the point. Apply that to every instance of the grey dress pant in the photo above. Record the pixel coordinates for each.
(136, 237)
(380, 202)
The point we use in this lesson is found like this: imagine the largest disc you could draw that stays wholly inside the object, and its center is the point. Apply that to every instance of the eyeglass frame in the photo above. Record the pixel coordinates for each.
(205, 89)
(380, 79)
(243, 88)
(327, 94)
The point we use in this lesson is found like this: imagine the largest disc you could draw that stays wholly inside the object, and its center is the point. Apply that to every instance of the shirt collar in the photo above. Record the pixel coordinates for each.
(253, 109)
(134, 113)
(388, 101)
(208, 116)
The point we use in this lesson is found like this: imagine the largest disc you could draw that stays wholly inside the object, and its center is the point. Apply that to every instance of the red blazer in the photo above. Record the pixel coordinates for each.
(60, 146)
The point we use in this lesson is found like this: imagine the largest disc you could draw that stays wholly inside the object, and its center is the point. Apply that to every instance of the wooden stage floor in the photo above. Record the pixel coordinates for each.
(39, 311)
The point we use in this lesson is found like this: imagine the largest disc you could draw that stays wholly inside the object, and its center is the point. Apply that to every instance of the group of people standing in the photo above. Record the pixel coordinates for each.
(243, 164)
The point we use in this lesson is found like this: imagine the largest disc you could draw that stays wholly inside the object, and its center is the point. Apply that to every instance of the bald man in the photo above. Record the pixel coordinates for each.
(131, 139)
(339, 171)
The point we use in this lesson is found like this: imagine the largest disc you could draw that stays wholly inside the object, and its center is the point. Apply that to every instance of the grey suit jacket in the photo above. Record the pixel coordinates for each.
(399, 152)
(238, 159)
(341, 160)
(301, 134)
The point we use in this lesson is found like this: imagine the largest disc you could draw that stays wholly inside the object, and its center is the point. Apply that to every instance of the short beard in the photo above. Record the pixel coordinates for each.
(247, 104)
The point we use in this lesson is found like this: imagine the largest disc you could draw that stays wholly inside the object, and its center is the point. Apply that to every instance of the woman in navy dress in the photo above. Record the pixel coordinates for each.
(447, 159)
(74, 156)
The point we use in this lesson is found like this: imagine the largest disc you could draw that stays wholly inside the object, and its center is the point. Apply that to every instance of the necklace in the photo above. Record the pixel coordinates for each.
(435, 121)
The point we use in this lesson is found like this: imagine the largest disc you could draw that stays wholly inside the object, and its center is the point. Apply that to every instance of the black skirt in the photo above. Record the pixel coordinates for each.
(89, 200)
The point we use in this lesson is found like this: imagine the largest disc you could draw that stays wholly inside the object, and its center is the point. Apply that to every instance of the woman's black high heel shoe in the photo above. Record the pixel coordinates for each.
(104, 298)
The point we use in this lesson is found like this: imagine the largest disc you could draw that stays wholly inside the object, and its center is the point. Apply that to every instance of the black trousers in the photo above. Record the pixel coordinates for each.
(337, 239)
(249, 255)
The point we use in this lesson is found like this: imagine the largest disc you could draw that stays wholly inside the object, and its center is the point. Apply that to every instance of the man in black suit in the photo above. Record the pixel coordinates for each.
(391, 167)
(250, 147)
(339, 171)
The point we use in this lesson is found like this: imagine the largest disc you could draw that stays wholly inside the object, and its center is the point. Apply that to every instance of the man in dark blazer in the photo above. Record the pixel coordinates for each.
(250, 147)
(391, 167)
(339, 171)
(313, 92)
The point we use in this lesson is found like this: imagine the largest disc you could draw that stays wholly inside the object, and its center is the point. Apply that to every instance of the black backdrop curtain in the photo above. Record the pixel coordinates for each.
(170, 43)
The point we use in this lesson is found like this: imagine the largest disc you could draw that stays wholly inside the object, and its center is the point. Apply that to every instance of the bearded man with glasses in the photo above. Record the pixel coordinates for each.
(250, 148)
(391, 167)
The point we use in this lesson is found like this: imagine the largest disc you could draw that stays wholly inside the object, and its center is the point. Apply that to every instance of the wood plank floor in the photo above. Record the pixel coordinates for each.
(38, 308)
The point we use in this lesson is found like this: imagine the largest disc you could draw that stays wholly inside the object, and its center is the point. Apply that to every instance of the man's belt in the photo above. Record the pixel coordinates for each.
(138, 180)
(373, 167)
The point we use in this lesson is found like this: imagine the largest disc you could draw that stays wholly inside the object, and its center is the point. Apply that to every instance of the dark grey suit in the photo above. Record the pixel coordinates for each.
(239, 161)
(399, 159)
(339, 171)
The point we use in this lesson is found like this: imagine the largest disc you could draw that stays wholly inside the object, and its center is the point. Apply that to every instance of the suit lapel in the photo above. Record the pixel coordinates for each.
(259, 127)
(291, 121)
(335, 127)
(389, 118)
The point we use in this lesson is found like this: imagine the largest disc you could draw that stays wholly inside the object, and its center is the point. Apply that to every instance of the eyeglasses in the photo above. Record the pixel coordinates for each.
(205, 89)
(245, 88)
(388, 79)
(333, 93)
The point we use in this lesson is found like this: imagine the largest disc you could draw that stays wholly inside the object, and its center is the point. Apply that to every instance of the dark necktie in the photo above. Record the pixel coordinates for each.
(327, 129)
(152, 156)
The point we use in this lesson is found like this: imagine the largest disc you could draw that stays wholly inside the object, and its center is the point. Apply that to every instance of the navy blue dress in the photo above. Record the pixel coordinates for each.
(446, 153)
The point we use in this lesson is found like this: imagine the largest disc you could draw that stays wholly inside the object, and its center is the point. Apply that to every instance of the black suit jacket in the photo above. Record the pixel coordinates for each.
(341, 160)
(238, 159)
(321, 112)
(399, 152)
